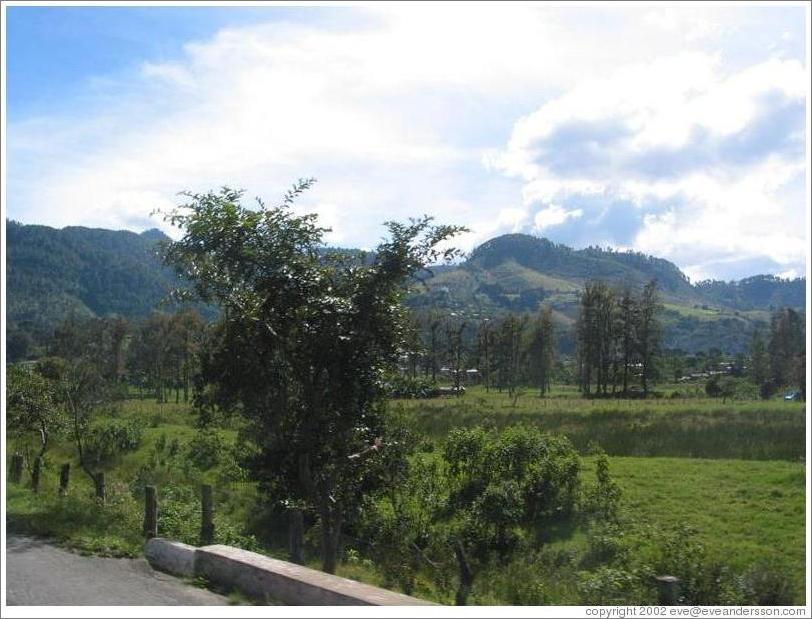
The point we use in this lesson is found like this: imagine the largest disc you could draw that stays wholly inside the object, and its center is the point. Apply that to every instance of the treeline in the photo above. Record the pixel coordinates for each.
(619, 350)
(780, 360)
(618, 335)
(158, 355)
(501, 353)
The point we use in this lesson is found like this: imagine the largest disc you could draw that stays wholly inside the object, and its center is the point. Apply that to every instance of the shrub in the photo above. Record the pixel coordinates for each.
(602, 500)
(614, 586)
(110, 440)
(406, 387)
(206, 449)
(769, 584)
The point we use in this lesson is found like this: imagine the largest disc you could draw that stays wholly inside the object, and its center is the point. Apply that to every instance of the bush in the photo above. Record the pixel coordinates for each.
(409, 388)
(106, 442)
(614, 586)
(606, 545)
(769, 584)
(206, 449)
(602, 500)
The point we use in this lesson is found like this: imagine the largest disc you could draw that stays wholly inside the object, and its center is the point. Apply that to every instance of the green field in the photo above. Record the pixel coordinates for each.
(743, 511)
(730, 474)
(679, 427)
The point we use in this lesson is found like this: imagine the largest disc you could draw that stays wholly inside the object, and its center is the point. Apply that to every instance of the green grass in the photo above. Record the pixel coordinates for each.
(77, 521)
(744, 497)
(744, 512)
(690, 427)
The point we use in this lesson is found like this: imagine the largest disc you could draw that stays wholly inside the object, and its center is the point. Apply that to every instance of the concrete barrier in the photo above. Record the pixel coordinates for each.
(168, 556)
(262, 577)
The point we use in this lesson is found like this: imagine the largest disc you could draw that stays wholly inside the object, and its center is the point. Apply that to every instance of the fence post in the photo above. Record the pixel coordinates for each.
(296, 535)
(207, 513)
(668, 590)
(35, 474)
(101, 487)
(64, 479)
(16, 468)
(150, 512)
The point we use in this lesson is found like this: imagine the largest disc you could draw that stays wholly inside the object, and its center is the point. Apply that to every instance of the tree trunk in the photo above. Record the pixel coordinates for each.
(466, 576)
(296, 536)
(330, 540)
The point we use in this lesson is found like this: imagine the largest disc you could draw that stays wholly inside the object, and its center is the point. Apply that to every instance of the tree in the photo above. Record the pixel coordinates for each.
(499, 484)
(31, 407)
(787, 344)
(456, 351)
(595, 333)
(81, 390)
(509, 353)
(541, 350)
(727, 388)
(759, 359)
(434, 321)
(713, 388)
(628, 319)
(485, 336)
(649, 332)
(304, 342)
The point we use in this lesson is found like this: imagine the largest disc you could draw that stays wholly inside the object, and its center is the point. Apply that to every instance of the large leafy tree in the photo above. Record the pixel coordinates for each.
(304, 343)
(31, 407)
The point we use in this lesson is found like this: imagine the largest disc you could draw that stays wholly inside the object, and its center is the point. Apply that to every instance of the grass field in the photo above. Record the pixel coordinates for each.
(730, 473)
(677, 427)
(744, 512)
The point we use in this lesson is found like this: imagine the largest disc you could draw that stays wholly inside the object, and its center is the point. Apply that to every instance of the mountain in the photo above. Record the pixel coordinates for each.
(92, 272)
(51, 274)
(519, 272)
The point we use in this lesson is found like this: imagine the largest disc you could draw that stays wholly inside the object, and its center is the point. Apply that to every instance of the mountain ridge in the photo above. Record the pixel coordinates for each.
(52, 273)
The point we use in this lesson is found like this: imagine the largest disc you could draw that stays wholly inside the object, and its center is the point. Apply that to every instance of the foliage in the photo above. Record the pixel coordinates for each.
(206, 449)
(689, 427)
(305, 341)
(54, 274)
(31, 408)
(603, 499)
(109, 440)
(406, 387)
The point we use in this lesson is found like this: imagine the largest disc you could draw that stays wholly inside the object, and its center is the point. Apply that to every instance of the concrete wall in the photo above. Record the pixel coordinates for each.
(269, 579)
(168, 556)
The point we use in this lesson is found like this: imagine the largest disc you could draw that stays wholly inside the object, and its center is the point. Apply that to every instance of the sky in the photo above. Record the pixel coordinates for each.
(678, 131)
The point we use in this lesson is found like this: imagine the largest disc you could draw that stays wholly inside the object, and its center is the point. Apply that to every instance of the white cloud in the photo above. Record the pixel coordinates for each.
(705, 160)
(554, 215)
(407, 113)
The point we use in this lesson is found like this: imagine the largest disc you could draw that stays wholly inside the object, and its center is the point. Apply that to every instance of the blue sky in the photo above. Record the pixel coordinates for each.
(677, 131)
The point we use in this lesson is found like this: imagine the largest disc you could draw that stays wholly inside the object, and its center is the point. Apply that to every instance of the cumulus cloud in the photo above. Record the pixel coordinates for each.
(696, 156)
(675, 157)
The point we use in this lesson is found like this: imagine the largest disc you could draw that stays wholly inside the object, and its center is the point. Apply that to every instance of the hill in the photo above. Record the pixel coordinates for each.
(519, 272)
(93, 272)
(51, 274)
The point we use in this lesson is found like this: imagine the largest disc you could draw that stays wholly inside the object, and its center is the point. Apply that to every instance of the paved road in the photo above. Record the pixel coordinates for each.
(40, 574)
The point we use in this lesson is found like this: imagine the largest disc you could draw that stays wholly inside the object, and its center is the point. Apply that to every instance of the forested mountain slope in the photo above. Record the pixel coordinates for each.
(93, 272)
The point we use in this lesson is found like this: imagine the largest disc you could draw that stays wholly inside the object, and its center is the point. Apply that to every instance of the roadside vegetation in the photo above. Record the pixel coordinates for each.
(342, 431)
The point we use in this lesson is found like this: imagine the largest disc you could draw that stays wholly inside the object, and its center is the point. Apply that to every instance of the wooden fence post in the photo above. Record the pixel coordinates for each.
(150, 512)
(16, 468)
(296, 536)
(64, 479)
(101, 487)
(668, 590)
(35, 474)
(207, 513)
